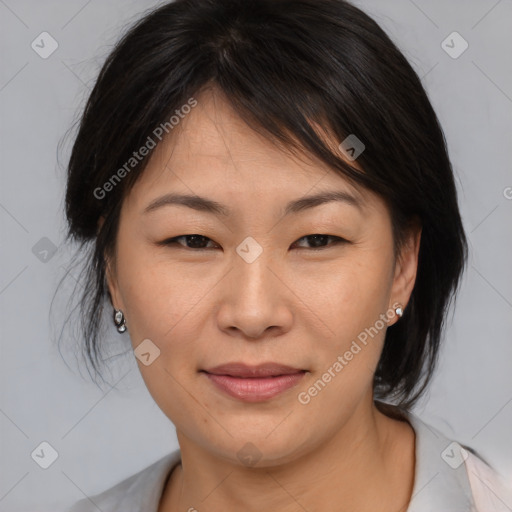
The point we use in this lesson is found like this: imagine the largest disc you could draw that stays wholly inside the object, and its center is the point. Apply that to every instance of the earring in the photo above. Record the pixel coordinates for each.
(399, 311)
(119, 320)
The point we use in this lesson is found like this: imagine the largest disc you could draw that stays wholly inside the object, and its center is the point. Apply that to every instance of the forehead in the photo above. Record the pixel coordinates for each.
(214, 130)
(213, 149)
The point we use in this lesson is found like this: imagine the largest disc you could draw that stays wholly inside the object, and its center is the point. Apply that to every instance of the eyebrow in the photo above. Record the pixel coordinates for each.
(204, 204)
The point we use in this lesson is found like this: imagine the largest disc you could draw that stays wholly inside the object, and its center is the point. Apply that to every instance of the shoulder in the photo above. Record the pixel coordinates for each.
(489, 488)
(140, 492)
(451, 477)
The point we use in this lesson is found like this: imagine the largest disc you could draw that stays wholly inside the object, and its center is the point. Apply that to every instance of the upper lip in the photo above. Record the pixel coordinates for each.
(243, 370)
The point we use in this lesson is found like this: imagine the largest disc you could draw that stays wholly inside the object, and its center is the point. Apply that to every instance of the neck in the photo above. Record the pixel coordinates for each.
(366, 465)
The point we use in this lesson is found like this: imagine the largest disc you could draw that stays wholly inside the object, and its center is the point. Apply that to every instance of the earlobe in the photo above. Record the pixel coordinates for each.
(111, 282)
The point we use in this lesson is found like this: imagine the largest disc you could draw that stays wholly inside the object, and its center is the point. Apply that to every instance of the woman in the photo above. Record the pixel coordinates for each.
(273, 216)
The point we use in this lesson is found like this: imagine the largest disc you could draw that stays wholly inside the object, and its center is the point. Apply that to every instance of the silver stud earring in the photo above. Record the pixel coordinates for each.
(399, 311)
(119, 320)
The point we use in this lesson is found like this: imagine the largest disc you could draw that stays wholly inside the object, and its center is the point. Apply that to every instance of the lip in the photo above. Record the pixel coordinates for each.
(255, 389)
(254, 383)
(243, 370)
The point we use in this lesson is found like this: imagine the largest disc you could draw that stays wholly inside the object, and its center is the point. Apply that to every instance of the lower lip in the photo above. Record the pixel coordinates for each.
(255, 389)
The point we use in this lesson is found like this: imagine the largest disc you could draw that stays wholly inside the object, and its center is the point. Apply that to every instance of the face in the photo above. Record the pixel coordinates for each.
(310, 287)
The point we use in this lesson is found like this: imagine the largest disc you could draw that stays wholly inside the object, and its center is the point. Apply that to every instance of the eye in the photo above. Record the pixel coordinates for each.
(318, 241)
(199, 242)
(196, 241)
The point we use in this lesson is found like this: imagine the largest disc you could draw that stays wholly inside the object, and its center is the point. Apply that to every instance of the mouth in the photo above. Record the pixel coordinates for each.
(254, 383)
(242, 370)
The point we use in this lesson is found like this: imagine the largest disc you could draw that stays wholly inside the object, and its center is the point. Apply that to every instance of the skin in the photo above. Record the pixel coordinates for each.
(293, 305)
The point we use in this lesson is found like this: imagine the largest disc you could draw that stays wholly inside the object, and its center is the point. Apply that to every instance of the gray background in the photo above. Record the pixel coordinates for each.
(102, 436)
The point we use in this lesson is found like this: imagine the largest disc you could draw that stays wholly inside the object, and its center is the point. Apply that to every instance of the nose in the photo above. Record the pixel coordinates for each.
(256, 302)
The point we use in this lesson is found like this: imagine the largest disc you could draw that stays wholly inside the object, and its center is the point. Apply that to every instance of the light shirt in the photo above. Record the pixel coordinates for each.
(448, 478)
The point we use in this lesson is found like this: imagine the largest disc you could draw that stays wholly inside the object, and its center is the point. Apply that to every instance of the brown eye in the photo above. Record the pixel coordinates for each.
(320, 241)
(197, 242)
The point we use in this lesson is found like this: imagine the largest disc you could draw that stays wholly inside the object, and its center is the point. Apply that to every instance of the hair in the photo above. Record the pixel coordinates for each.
(286, 67)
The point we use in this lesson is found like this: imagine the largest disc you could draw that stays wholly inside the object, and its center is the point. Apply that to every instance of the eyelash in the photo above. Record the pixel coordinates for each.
(336, 240)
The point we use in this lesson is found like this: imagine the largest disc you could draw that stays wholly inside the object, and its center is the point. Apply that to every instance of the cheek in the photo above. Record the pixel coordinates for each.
(351, 302)
(157, 296)
(169, 304)
(347, 295)
(349, 306)
(161, 306)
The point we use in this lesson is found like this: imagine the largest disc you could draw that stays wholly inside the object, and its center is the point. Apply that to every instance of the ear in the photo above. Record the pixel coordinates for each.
(406, 267)
(111, 279)
(110, 274)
